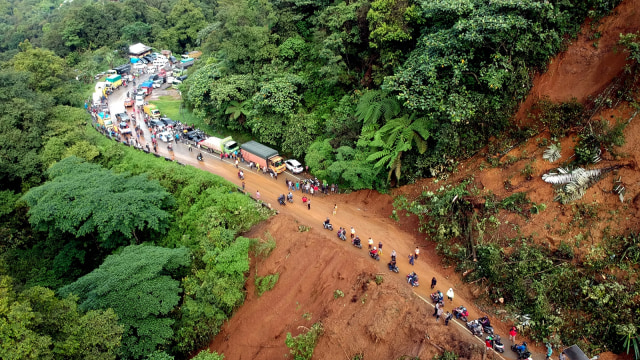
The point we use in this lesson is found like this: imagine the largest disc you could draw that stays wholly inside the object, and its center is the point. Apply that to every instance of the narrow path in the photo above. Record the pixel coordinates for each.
(367, 224)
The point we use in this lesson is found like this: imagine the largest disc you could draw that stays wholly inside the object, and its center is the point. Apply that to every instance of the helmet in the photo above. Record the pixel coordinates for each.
(374, 248)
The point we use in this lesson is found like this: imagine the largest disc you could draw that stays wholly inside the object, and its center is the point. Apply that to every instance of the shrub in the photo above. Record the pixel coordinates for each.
(266, 283)
(338, 293)
(302, 346)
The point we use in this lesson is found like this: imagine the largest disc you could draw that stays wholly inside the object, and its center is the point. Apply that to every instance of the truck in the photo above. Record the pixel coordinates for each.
(263, 156)
(115, 81)
(152, 111)
(214, 144)
(147, 87)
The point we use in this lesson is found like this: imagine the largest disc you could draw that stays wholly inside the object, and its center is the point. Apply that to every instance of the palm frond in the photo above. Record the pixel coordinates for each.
(552, 153)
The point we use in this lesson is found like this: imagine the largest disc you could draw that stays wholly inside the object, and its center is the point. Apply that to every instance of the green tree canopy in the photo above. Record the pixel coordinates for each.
(140, 285)
(35, 324)
(82, 199)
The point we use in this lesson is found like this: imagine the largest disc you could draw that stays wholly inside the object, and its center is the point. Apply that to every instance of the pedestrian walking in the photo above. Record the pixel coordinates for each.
(335, 208)
(393, 255)
(512, 335)
(297, 185)
(450, 294)
(438, 314)
(311, 190)
(243, 186)
(380, 247)
(370, 243)
(562, 356)
(549, 351)
(433, 282)
(411, 259)
(189, 146)
(257, 195)
(309, 204)
(417, 252)
(236, 163)
(353, 232)
(275, 174)
(435, 310)
(221, 156)
(448, 316)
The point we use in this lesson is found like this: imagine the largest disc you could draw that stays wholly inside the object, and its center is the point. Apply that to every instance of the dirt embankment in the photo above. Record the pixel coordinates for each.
(388, 321)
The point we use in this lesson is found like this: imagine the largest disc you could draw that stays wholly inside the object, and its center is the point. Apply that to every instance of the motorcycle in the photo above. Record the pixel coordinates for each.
(437, 297)
(374, 255)
(461, 313)
(281, 200)
(327, 226)
(199, 157)
(241, 175)
(356, 242)
(342, 234)
(496, 343)
(475, 327)
(412, 279)
(170, 147)
(290, 198)
(486, 325)
(522, 354)
(393, 267)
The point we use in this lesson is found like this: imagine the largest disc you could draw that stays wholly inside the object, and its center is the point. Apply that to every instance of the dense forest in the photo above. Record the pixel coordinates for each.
(370, 93)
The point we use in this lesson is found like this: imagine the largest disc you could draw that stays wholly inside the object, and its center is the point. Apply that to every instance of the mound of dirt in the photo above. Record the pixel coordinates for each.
(383, 321)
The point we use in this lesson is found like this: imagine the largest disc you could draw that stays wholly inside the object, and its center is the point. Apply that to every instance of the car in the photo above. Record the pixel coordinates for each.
(122, 117)
(168, 122)
(294, 166)
(156, 122)
(165, 136)
(182, 77)
(144, 61)
(128, 102)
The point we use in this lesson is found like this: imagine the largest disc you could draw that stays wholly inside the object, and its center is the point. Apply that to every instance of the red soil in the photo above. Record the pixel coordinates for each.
(389, 320)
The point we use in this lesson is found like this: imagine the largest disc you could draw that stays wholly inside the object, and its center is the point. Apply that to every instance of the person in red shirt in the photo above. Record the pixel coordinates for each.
(512, 334)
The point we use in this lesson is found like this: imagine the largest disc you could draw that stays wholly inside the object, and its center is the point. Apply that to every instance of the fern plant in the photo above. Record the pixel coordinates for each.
(552, 153)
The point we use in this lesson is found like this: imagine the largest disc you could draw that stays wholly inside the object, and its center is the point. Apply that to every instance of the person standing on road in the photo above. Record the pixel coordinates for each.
(243, 185)
(258, 195)
(189, 146)
(450, 294)
(417, 253)
(353, 233)
(513, 333)
(411, 259)
(335, 209)
(433, 282)
(309, 204)
(549, 351)
(236, 163)
(562, 356)
(438, 314)
(370, 243)
(380, 248)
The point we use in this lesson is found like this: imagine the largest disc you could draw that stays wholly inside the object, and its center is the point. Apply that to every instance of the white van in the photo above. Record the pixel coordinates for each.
(160, 62)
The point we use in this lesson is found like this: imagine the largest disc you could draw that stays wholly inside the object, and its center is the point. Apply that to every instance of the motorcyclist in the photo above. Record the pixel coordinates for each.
(170, 147)
(522, 347)
(485, 321)
(199, 156)
(241, 174)
(356, 241)
(290, 196)
(327, 222)
(374, 251)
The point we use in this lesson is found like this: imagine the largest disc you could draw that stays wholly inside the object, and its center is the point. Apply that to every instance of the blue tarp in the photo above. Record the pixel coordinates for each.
(134, 60)
(103, 116)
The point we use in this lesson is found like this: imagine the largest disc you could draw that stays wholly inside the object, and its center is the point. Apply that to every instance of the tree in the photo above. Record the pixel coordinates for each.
(85, 199)
(238, 111)
(35, 324)
(186, 21)
(140, 285)
(396, 137)
(47, 70)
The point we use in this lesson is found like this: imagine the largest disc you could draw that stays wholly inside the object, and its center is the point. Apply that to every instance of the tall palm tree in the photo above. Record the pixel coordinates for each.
(396, 137)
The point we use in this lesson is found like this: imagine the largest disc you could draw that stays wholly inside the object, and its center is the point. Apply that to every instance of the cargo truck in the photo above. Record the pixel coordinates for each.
(147, 87)
(214, 144)
(262, 155)
(115, 81)
(152, 111)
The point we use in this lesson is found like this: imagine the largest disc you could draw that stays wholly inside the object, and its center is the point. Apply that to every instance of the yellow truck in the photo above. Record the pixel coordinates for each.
(115, 80)
(152, 111)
